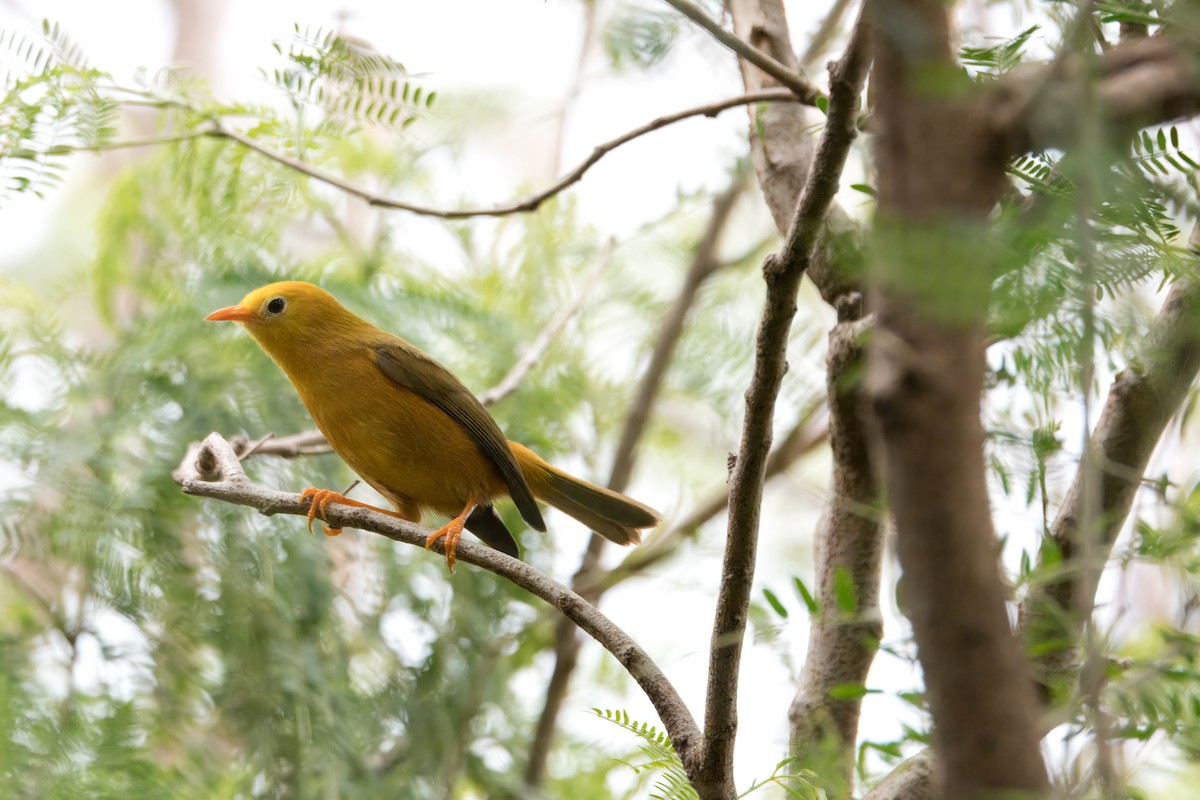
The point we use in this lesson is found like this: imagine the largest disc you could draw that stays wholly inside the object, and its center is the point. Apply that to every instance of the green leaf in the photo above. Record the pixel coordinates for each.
(850, 690)
(773, 601)
(810, 602)
(844, 591)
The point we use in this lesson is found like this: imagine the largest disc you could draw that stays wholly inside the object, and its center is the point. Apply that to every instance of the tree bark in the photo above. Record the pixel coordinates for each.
(823, 731)
(940, 174)
(849, 545)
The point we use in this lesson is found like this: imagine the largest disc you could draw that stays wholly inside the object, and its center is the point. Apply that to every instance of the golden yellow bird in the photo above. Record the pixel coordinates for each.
(411, 429)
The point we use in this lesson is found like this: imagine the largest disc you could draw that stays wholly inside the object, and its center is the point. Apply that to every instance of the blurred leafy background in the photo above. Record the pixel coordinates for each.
(154, 645)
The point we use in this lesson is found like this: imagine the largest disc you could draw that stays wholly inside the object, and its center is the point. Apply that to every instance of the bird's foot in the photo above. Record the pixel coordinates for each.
(320, 500)
(452, 532)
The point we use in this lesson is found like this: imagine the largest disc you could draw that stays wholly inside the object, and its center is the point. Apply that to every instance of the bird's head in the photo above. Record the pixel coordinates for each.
(285, 312)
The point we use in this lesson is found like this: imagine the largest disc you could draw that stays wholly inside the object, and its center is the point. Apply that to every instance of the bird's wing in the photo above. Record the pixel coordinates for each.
(416, 371)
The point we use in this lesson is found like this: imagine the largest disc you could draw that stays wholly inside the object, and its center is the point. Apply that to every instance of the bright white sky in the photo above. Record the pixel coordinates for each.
(526, 51)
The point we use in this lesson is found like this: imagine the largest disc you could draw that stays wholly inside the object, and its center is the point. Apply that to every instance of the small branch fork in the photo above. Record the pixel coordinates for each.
(213, 469)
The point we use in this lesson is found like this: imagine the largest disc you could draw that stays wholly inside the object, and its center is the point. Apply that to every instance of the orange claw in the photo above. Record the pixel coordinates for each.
(452, 531)
(321, 498)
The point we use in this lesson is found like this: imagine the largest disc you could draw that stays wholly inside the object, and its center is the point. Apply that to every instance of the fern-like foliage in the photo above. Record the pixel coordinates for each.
(999, 58)
(348, 80)
(672, 782)
(640, 37)
(51, 105)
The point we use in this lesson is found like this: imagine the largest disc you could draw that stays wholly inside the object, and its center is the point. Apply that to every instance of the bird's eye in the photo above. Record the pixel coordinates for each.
(276, 306)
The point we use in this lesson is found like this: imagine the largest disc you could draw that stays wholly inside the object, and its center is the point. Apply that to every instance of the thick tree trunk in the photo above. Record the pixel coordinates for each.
(939, 176)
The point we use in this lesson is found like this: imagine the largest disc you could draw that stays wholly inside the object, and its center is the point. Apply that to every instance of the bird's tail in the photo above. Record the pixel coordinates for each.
(612, 515)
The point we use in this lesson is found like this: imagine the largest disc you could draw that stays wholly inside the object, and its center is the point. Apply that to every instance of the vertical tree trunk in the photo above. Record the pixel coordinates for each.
(939, 176)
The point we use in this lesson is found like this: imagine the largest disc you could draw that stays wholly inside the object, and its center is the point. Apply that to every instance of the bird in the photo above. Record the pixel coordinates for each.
(412, 430)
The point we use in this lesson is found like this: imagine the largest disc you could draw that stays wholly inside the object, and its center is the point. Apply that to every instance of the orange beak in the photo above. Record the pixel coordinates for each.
(234, 314)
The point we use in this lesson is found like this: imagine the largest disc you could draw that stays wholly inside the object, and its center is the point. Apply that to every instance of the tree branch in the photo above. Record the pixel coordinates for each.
(1141, 401)
(849, 547)
(782, 146)
(567, 643)
(818, 45)
(805, 92)
(1141, 82)
(213, 470)
(809, 433)
(531, 203)
(782, 273)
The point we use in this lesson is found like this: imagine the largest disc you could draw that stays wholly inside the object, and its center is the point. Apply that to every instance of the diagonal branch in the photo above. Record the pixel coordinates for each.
(818, 43)
(806, 92)
(1141, 401)
(810, 432)
(215, 471)
(782, 273)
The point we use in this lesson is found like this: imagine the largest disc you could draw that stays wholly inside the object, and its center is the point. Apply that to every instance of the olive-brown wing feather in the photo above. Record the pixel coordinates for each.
(420, 373)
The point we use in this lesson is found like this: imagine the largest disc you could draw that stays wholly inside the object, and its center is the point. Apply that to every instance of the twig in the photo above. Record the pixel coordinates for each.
(215, 472)
(307, 443)
(567, 643)
(782, 273)
(509, 383)
(805, 92)
(531, 203)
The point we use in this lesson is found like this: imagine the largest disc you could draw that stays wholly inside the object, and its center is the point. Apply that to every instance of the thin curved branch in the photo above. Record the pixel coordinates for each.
(212, 469)
(782, 273)
(531, 203)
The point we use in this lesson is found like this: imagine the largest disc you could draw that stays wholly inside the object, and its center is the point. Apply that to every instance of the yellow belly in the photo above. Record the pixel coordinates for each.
(408, 449)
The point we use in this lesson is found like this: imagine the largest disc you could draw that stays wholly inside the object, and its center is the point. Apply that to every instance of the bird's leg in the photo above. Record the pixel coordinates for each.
(452, 530)
(320, 500)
